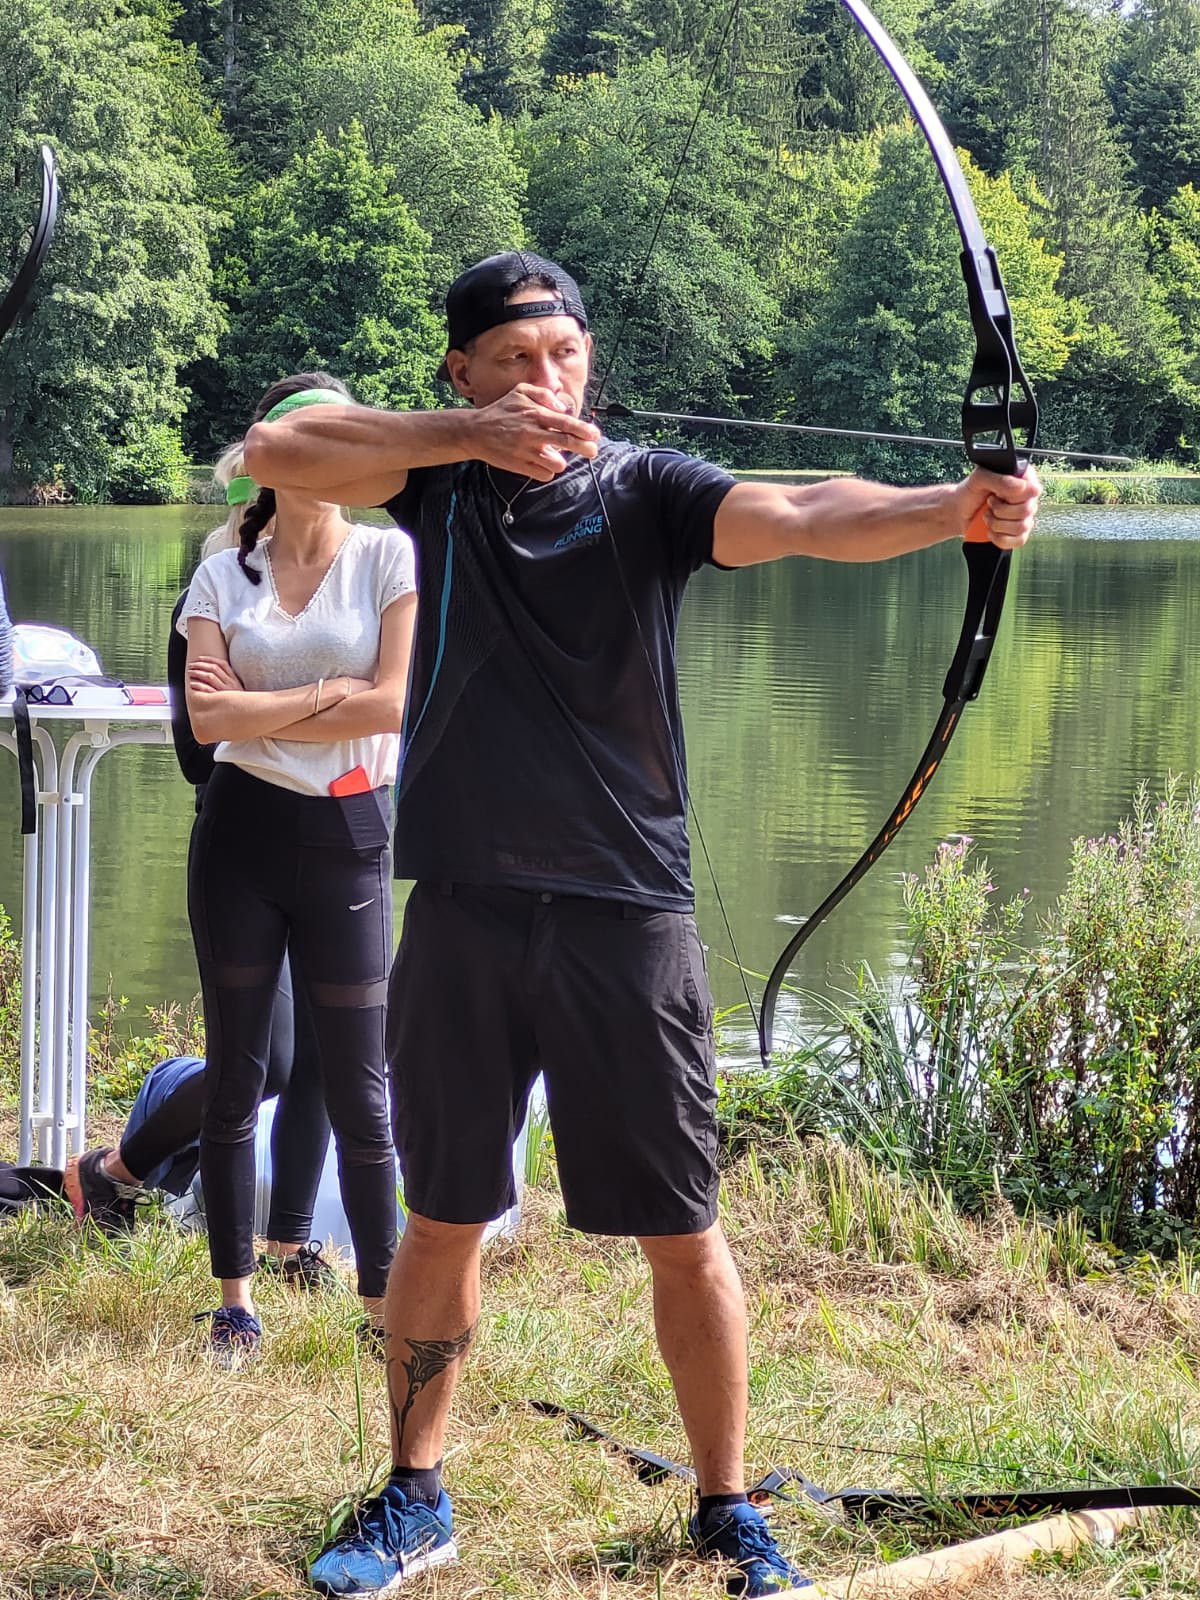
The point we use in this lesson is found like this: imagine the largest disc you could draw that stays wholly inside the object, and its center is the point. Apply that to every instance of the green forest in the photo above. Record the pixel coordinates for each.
(256, 186)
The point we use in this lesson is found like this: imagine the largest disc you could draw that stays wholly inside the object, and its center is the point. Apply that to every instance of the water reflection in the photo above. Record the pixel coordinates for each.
(809, 690)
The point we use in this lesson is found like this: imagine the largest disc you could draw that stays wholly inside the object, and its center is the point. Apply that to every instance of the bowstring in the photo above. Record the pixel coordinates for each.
(627, 310)
(680, 763)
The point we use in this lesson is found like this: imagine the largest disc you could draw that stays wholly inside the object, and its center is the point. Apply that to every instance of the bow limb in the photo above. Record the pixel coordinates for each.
(22, 285)
(999, 419)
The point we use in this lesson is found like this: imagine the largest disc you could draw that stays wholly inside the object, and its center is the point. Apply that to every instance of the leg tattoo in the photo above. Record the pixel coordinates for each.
(430, 1358)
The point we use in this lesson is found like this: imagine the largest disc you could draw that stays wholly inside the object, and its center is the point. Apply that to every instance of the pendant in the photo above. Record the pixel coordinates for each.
(507, 518)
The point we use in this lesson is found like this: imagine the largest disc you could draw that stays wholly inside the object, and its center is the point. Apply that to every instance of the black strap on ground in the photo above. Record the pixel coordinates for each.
(872, 1505)
(25, 763)
(649, 1467)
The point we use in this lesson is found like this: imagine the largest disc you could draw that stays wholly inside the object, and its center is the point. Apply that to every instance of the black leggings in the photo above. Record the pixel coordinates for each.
(271, 871)
(299, 1132)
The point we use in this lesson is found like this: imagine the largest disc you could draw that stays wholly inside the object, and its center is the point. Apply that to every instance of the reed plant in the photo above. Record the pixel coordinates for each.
(1054, 1065)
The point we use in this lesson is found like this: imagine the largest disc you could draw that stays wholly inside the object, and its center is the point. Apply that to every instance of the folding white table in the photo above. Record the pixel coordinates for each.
(56, 891)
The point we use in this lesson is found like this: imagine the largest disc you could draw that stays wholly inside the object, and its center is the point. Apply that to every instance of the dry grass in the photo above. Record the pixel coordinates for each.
(968, 1357)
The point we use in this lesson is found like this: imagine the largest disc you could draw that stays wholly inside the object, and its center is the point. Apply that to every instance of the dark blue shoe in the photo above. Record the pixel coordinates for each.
(740, 1535)
(234, 1337)
(390, 1539)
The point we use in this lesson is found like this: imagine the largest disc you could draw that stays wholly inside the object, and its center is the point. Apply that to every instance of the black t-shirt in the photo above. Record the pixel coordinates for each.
(543, 738)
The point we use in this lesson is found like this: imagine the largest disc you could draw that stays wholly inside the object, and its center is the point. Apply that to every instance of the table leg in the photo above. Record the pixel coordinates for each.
(67, 936)
(29, 983)
(75, 1060)
(81, 952)
(47, 944)
(55, 945)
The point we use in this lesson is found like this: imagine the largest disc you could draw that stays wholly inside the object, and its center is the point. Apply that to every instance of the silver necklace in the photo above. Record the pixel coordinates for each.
(506, 515)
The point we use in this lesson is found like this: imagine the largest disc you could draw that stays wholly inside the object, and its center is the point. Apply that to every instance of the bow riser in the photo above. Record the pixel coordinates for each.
(1000, 420)
(999, 413)
(987, 583)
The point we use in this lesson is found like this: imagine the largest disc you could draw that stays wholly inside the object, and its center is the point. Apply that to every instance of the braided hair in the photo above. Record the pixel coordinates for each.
(260, 512)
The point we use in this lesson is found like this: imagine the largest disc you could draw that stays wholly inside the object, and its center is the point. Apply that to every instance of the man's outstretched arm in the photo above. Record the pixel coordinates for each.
(848, 519)
(352, 455)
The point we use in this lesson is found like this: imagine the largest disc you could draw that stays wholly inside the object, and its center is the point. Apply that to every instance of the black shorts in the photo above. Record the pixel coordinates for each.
(609, 1001)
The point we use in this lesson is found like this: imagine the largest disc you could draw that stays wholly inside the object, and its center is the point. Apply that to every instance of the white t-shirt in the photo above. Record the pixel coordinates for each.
(336, 635)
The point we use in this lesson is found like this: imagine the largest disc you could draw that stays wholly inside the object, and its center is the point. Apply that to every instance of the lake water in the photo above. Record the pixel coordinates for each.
(809, 690)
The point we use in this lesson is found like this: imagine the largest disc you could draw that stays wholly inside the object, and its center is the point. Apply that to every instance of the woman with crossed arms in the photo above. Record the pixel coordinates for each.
(298, 649)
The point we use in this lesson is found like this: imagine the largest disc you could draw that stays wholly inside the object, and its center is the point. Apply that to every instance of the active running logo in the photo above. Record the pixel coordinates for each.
(362, 905)
(588, 530)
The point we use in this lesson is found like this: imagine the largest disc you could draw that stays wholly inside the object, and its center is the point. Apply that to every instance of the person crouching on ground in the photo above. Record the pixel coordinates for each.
(543, 812)
(297, 665)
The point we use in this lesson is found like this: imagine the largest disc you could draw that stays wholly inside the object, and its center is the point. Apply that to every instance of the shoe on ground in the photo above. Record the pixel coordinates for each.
(96, 1197)
(740, 1535)
(388, 1540)
(307, 1268)
(234, 1336)
(371, 1338)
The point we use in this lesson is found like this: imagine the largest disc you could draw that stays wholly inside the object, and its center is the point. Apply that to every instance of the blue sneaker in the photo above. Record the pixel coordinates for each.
(741, 1536)
(234, 1337)
(390, 1539)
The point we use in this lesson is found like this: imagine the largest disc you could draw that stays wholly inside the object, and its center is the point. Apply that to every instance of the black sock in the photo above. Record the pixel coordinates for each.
(710, 1503)
(419, 1485)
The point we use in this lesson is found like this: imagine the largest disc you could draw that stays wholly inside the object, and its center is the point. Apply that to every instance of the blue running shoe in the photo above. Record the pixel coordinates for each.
(741, 1536)
(234, 1337)
(389, 1540)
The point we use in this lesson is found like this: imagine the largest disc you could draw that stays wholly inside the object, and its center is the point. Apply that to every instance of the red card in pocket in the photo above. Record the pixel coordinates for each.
(353, 782)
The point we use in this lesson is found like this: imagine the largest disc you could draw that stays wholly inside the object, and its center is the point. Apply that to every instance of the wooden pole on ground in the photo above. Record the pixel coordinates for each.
(959, 1566)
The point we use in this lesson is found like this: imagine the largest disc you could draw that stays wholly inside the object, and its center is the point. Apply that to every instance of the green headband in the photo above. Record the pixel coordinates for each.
(244, 488)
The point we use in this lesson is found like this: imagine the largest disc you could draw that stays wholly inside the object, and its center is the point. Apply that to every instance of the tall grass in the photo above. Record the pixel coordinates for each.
(1056, 1067)
(893, 1342)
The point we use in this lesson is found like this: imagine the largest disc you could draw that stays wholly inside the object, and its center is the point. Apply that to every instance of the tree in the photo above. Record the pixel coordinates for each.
(600, 166)
(125, 296)
(1174, 234)
(1055, 54)
(891, 342)
(504, 42)
(1155, 86)
(234, 41)
(369, 61)
(327, 270)
(587, 36)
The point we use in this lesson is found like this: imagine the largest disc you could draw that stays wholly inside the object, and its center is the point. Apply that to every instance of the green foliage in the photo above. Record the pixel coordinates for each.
(1155, 88)
(151, 469)
(329, 270)
(1174, 240)
(600, 163)
(125, 299)
(890, 338)
(1060, 1072)
(119, 1056)
(1106, 1056)
(505, 45)
(371, 62)
(10, 1005)
(803, 268)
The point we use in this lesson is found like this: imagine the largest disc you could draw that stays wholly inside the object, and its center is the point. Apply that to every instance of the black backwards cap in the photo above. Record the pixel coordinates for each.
(476, 299)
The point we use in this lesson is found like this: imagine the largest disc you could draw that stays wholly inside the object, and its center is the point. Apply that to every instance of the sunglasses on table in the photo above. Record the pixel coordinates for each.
(64, 691)
(53, 694)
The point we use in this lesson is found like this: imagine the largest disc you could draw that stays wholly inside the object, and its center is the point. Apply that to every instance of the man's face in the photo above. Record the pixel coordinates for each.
(552, 352)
